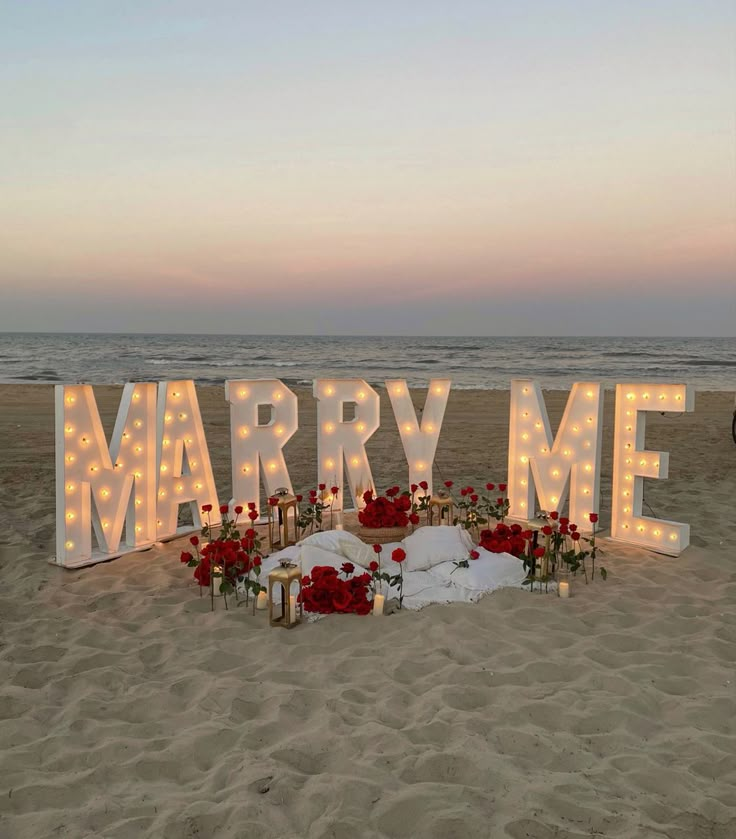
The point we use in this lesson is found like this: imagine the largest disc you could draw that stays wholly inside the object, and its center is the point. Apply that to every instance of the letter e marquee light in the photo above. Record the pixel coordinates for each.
(632, 463)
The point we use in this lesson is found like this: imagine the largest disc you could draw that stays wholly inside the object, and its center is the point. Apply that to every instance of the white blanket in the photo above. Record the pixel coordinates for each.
(443, 583)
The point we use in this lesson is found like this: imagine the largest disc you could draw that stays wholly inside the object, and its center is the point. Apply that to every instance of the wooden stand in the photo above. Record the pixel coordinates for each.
(278, 521)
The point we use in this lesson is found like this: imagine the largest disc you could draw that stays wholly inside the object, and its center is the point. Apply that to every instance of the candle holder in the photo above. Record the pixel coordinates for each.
(278, 519)
(564, 581)
(292, 609)
(441, 502)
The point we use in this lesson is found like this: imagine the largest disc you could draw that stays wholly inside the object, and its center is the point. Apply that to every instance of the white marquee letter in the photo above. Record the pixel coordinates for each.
(632, 463)
(339, 439)
(253, 444)
(184, 469)
(419, 441)
(571, 462)
(121, 481)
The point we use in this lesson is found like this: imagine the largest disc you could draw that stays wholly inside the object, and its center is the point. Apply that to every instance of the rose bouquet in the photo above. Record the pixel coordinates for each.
(324, 591)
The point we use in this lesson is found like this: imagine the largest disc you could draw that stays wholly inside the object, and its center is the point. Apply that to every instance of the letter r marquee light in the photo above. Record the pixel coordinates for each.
(571, 462)
(341, 440)
(100, 488)
(253, 444)
(632, 463)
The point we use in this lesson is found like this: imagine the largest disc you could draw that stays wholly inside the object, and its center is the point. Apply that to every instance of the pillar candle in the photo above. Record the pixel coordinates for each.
(292, 609)
(262, 601)
(378, 602)
(564, 589)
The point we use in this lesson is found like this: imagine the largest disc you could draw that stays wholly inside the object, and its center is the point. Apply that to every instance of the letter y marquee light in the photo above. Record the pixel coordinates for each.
(339, 439)
(120, 481)
(572, 461)
(254, 444)
(631, 464)
(419, 441)
(184, 469)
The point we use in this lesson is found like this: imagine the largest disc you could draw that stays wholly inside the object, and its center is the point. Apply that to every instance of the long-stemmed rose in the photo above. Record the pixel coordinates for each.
(398, 555)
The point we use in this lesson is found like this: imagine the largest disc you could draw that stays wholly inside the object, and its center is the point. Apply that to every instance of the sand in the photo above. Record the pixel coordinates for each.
(128, 710)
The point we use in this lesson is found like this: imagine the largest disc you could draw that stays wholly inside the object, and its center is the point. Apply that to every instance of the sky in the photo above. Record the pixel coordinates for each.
(467, 167)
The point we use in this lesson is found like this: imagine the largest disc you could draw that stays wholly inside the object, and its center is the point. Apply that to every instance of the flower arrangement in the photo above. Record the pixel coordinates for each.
(389, 510)
(311, 515)
(475, 509)
(228, 560)
(563, 551)
(325, 592)
(510, 539)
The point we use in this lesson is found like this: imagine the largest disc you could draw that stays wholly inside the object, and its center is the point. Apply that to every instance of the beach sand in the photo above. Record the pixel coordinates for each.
(127, 709)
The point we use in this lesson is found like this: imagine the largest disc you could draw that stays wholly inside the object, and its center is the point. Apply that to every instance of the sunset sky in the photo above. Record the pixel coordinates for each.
(540, 168)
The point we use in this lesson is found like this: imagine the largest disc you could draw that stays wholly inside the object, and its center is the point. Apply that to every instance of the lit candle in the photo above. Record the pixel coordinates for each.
(378, 602)
(564, 589)
(292, 609)
(262, 601)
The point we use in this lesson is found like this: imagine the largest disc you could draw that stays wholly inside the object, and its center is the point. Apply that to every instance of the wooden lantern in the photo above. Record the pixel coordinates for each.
(279, 533)
(442, 504)
(292, 610)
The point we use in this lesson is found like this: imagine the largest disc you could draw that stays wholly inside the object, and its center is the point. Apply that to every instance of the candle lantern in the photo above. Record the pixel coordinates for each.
(292, 610)
(442, 503)
(279, 532)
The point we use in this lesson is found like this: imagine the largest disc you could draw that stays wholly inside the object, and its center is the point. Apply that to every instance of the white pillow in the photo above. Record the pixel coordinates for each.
(329, 540)
(311, 555)
(358, 553)
(429, 546)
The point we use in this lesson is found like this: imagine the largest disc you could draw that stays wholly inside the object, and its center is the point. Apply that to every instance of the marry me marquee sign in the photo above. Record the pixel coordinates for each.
(130, 492)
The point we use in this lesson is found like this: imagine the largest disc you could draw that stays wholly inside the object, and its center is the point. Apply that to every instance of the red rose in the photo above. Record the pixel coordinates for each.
(547, 530)
(253, 515)
(368, 496)
(299, 498)
(251, 505)
(238, 510)
(554, 515)
(347, 568)
(593, 518)
(273, 502)
(564, 520)
(334, 490)
(250, 533)
(474, 555)
(373, 565)
(502, 487)
(575, 536)
(186, 556)
(474, 498)
(414, 488)
(223, 509)
(207, 508)
(414, 518)
(194, 540)
(573, 527)
(490, 487)
(424, 485)
(398, 555)
(322, 487)
(538, 552)
(257, 561)
(499, 501)
(564, 529)
(448, 484)
(463, 492)
(377, 548)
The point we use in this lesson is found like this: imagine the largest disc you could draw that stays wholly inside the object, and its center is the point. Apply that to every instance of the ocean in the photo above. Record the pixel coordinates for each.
(486, 363)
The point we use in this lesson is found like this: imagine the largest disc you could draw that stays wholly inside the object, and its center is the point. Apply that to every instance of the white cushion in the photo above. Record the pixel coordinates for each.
(357, 552)
(329, 540)
(429, 546)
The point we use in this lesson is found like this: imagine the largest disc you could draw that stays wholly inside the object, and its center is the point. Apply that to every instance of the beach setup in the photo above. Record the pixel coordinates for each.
(442, 544)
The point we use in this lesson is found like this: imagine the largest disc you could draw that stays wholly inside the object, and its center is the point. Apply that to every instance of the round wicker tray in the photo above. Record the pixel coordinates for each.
(381, 535)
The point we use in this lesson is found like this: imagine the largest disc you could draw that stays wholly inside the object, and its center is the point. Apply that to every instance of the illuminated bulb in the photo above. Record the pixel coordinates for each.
(645, 395)
(543, 449)
(70, 400)
(244, 431)
(657, 532)
(193, 463)
(642, 463)
(105, 493)
(329, 390)
(355, 461)
(627, 446)
(92, 468)
(627, 509)
(106, 524)
(576, 428)
(138, 423)
(164, 467)
(125, 435)
(523, 482)
(678, 398)
(246, 469)
(138, 528)
(537, 424)
(439, 389)
(555, 473)
(673, 536)
(242, 393)
(272, 466)
(566, 452)
(166, 442)
(629, 413)
(586, 444)
(138, 449)
(279, 430)
(526, 390)
(70, 516)
(430, 428)
(630, 395)
(525, 436)
(278, 396)
(329, 463)
(589, 394)
(586, 492)
(525, 414)
(360, 426)
(590, 419)
(198, 486)
(656, 465)
(168, 418)
(188, 441)
(554, 499)
(407, 428)
(69, 429)
(70, 458)
(523, 504)
(524, 459)
(626, 493)
(361, 394)
(629, 428)
(421, 467)
(641, 528)
(628, 477)
(398, 389)
(662, 396)
(69, 545)
(626, 527)
(329, 428)
(179, 488)
(138, 475)
(175, 394)
(628, 461)
(182, 416)
(138, 502)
